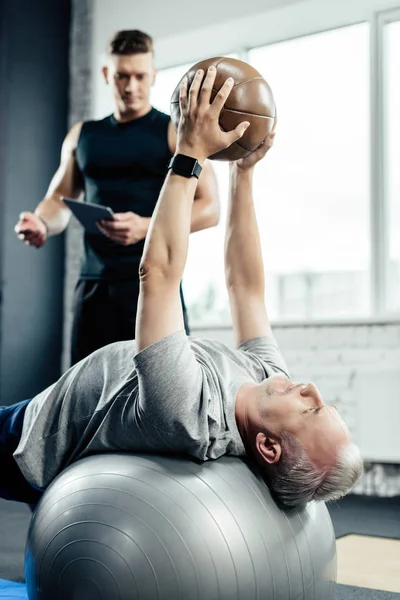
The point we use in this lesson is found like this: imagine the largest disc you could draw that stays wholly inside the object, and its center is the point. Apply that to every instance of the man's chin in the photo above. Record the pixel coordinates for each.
(133, 107)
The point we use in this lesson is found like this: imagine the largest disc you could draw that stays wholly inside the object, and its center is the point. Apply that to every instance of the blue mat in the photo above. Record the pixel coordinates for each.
(9, 590)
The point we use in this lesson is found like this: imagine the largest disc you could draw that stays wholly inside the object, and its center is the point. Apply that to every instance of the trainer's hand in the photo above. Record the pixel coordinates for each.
(249, 161)
(127, 228)
(31, 230)
(199, 134)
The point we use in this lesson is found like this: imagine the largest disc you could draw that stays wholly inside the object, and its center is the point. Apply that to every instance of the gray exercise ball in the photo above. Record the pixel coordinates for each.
(147, 527)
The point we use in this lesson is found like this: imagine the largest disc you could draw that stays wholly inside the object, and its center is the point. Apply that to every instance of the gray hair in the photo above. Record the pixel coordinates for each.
(295, 480)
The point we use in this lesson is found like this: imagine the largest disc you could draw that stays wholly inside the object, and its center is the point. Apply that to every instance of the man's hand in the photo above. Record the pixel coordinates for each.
(199, 134)
(31, 229)
(252, 159)
(127, 228)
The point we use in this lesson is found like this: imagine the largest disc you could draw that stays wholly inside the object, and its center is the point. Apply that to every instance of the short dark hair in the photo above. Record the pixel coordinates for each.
(130, 41)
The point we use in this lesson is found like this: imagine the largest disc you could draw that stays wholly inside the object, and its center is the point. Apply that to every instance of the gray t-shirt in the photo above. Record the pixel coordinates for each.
(176, 396)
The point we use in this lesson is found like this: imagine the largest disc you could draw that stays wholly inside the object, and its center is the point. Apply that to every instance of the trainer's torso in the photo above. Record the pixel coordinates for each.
(123, 166)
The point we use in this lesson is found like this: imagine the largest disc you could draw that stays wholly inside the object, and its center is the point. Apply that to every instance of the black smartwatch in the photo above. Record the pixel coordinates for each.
(187, 166)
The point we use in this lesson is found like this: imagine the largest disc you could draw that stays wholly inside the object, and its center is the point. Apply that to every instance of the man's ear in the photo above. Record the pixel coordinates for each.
(268, 448)
(104, 70)
(154, 77)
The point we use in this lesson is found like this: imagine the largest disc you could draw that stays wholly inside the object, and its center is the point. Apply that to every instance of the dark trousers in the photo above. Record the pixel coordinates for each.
(13, 485)
(105, 312)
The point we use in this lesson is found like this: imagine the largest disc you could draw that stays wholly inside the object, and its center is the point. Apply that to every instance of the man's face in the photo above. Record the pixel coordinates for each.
(130, 78)
(299, 409)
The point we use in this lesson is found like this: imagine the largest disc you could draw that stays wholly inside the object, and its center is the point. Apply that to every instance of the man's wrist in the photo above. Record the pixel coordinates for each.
(191, 151)
(45, 224)
(145, 224)
(241, 171)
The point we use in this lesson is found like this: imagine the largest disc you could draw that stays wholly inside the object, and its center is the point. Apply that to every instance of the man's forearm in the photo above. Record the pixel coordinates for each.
(54, 214)
(167, 240)
(204, 215)
(243, 258)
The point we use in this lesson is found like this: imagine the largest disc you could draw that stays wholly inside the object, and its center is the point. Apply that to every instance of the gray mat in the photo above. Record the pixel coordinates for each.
(348, 592)
(366, 515)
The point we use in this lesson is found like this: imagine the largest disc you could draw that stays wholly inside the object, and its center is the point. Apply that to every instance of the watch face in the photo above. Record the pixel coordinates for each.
(184, 163)
(187, 166)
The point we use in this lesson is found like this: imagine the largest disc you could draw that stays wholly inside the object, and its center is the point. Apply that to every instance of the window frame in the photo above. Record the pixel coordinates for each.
(380, 285)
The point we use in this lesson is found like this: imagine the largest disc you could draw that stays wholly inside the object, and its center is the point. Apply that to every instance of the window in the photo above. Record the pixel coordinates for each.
(392, 154)
(312, 192)
(166, 82)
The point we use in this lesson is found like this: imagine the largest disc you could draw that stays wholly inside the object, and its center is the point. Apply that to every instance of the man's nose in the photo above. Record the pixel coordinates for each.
(311, 391)
(132, 84)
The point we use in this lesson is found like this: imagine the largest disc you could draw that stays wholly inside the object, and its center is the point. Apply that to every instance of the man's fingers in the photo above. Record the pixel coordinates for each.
(269, 140)
(32, 240)
(21, 224)
(113, 234)
(194, 90)
(222, 96)
(206, 88)
(118, 238)
(235, 135)
(25, 234)
(126, 216)
(36, 241)
(115, 226)
(183, 95)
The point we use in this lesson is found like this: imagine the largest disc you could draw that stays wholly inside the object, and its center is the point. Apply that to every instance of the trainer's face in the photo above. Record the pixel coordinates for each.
(130, 78)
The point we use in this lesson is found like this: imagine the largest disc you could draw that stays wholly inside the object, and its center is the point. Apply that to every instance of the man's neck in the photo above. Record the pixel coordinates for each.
(132, 115)
(241, 413)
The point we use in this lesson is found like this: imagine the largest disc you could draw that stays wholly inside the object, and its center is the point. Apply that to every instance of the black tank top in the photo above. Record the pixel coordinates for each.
(124, 166)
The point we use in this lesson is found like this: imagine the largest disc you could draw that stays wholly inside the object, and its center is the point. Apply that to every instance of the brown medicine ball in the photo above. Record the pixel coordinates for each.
(250, 100)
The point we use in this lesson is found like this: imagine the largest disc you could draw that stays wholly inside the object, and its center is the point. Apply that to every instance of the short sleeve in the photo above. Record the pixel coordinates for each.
(170, 386)
(265, 351)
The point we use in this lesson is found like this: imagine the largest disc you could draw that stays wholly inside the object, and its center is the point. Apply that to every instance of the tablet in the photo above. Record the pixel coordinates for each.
(89, 214)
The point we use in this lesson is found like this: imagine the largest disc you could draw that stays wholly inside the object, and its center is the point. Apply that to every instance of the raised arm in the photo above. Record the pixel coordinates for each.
(244, 268)
(165, 251)
(206, 209)
(51, 216)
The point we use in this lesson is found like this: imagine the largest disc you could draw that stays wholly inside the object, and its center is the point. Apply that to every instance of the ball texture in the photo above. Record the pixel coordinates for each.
(250, 100)
(125, 527)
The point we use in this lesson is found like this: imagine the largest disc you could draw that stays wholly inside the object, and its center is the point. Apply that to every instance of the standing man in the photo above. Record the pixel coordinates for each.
(121, 162)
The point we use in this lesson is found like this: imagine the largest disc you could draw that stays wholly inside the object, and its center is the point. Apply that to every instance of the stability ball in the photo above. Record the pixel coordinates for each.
(148, 527)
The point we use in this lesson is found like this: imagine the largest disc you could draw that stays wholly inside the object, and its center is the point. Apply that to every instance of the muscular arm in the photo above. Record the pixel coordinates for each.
(67, 182)
(244, 269)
